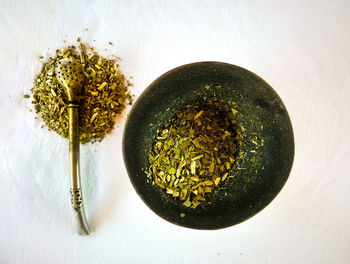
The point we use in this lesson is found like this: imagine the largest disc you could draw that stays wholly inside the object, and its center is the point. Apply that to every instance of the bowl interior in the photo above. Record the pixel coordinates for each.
(266, 154)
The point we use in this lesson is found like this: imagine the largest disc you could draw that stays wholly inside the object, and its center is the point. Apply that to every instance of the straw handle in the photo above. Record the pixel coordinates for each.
(76, 193)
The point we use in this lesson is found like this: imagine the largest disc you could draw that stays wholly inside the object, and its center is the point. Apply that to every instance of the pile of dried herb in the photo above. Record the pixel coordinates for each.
(194, 151)
(104, 94)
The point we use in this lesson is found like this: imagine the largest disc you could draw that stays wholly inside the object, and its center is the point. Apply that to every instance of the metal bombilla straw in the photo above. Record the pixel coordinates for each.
(70, 75)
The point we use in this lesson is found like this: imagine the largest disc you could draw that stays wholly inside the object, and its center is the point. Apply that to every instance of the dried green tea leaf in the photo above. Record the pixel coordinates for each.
(208, 183)
(198, 115)
(172, 171)
(217, 181)
(193, 167)
(187, 203)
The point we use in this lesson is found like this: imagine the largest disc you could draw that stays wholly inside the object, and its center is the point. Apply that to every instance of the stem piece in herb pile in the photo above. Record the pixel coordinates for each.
(194, 152)
(104, 94)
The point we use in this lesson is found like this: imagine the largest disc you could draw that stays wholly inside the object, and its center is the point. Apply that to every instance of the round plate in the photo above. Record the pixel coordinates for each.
(266, 154)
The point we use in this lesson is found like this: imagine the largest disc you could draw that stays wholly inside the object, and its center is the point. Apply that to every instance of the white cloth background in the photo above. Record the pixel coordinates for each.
(302, 48)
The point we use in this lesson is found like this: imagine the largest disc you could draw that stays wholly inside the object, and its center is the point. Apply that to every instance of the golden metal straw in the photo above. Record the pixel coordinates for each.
(70, 75)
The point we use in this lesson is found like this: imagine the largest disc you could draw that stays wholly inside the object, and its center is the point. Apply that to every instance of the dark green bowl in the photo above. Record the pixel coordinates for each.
(267, 145)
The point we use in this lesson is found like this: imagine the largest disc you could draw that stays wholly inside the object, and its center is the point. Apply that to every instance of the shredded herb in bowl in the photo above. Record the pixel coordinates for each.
(194, 151)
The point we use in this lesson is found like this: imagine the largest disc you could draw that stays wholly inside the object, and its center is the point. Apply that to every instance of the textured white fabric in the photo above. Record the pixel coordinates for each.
(302, 48)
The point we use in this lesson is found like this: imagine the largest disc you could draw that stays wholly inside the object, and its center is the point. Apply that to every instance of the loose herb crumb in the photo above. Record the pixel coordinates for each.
(26, 96)
(104, 94)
